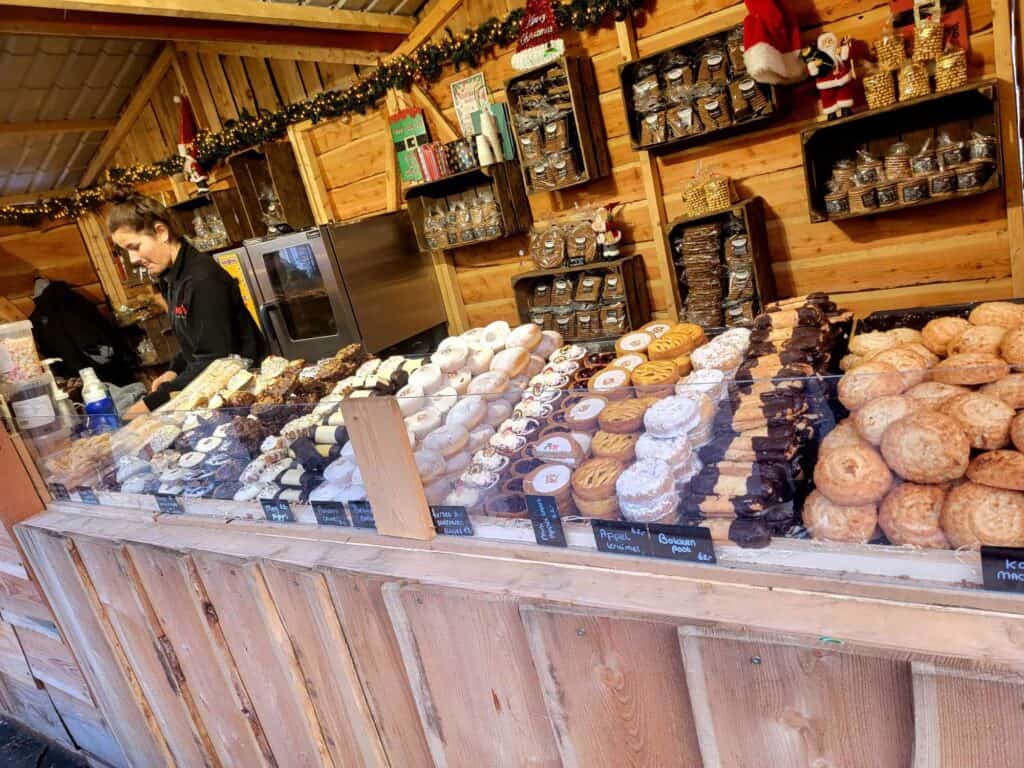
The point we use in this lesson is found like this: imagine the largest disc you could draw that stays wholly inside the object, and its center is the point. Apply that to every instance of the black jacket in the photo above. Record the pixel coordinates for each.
(69, 326)
(208, 318)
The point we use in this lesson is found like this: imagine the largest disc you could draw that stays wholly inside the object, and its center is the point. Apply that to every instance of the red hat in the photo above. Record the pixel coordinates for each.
(771, 44)
(186, 124)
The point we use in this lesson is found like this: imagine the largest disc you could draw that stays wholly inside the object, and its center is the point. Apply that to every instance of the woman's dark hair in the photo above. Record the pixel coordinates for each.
(136, 212)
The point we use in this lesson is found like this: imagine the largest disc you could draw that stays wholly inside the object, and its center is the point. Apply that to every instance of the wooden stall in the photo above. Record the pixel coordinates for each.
(260, 644)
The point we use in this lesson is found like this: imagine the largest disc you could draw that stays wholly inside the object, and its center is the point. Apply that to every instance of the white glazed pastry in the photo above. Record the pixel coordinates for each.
(422, 423)
(496, 335)
(410, 399)
(428, 378)
(451, 354)
(511, 361)
(468, 412)
(479, 358)
(527, 336)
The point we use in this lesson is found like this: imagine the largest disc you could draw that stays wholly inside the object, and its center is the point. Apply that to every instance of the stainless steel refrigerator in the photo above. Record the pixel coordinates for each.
(322, 288)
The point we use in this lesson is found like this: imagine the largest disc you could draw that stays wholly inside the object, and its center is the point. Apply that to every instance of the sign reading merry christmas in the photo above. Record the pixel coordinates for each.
(538, 36)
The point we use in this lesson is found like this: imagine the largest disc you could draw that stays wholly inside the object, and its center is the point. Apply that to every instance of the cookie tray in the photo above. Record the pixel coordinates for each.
(861, 562)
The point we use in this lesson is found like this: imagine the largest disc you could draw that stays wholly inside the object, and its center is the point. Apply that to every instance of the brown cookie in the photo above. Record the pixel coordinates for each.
(1012, 347)
(912, 366)
(993, 516)
(984, 419)
(910, 515)
(935, 395)
(875, 417)
(624, 417)
(956, 516)
(1005, 314)
(843, 433)
(614, 445)
(978, 338)
(998, 469)
(970, 368)
(920, 349)
(905, 335)
(872, 343)
(1017, 432)
(869, 381)
(926, 447)
(852, 475)
(836, 522)
(937, 334)
(1009, 389)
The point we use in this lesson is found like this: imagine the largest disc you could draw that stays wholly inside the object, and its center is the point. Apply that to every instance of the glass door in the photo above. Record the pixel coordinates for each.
(296, 283)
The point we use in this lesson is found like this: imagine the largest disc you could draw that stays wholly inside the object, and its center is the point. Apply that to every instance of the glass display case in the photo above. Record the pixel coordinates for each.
(895, 452)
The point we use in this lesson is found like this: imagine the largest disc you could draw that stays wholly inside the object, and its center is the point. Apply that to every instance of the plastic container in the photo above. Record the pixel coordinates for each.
(31, 403)
(100, 411)
(19, 360)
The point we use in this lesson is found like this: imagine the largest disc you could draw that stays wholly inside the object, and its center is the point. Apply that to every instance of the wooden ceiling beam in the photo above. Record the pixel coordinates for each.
(53, 127)
(288, 52)
(239, 11)
(433, 19)
(49, 22)
(126, 120)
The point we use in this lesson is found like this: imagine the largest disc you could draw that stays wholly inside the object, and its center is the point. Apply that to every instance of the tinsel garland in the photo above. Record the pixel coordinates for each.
(424, 65)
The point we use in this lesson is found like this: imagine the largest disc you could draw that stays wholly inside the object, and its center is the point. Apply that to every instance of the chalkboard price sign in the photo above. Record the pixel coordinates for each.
(1002, 568)
(168, 504)
(330, 513)
(59, 492)
(277, 510)
(362, 515)
(682, 542)
(451, 521)
(547, 522)
(87, 495)
(621, 538)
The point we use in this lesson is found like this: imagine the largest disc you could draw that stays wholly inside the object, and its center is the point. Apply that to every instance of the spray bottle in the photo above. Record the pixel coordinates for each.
(101, 414)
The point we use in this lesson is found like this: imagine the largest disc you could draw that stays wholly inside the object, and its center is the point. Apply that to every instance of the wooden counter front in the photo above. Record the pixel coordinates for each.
(249, 643)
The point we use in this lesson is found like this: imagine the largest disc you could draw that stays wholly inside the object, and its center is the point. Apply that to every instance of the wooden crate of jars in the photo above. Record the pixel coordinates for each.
(881, 179)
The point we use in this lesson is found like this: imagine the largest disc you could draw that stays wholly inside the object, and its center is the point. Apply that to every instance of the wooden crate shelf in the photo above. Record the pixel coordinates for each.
(628, 76)
(586, 128)
(972, 107)
(629, 269)
(751, 213)
(505, 182)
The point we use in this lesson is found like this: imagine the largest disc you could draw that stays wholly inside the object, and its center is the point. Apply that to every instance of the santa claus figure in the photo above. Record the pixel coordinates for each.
(831, 66)
(186, 137)
(771, 44)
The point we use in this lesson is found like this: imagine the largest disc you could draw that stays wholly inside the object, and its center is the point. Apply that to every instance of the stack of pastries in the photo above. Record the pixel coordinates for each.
(932, 451)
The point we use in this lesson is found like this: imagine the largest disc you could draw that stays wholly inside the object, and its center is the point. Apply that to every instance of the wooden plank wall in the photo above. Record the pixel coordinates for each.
(220, 88)
(230, 648)
(953, 253)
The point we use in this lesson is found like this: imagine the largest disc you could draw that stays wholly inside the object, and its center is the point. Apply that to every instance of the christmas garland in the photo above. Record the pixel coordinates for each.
(424, 65)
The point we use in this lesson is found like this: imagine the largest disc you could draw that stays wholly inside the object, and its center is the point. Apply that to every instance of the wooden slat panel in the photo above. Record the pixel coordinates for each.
(304, 604)
(88, 729)
(145, 646)
(51, 662)
(289, 83)
(360, 199)
(265, 660)
(348, 164)
(103, 665)
(239, 83)
(192, 72)
(615, 689)
(371, 638)
(262, 84)
(190, 623)
(310, 75)
(800, 706)
(12, 660)
(33, 707)
(336, 76)
(509, 725)
(219, 87)
(22, 596)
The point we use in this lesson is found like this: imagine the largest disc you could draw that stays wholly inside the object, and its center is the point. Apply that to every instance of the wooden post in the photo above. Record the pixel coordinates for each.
(309, 169)
(385, 460)
(1004, 39)
(652, 190)
(95, 239)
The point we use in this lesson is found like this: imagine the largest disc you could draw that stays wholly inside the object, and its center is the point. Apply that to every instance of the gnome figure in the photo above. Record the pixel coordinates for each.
(831, 66)
(771, 44)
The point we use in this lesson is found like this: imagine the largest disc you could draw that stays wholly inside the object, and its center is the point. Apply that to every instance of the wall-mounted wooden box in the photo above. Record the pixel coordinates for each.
(502, 180)
(586, 134)
(634, 297)
(958, 113)
(225, 203)
(764, 96)
(749, 213)
(271, 168)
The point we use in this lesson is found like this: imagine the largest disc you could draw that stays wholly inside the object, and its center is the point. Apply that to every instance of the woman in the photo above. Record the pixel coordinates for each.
(205, 306)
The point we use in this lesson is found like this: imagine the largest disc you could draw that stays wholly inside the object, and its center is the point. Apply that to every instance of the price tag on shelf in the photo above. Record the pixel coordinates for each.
(547, 522)
(688, 543)
(330, 513)
(59, 492)
(87, 495)
(168, 504)
(362, 514)
(277, 510)
(451, 521)
(621, 537)
(1002, 568)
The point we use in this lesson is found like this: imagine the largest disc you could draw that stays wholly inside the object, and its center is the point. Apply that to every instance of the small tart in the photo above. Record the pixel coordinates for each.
(595, 478)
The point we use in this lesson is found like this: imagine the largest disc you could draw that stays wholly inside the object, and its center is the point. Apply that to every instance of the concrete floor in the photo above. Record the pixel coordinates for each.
(22, 748)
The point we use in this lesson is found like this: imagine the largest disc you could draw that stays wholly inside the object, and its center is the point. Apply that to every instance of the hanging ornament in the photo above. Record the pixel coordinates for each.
(538, 42)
